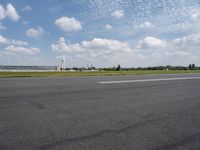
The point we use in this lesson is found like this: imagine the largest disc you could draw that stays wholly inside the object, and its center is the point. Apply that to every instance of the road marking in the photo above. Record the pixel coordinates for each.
(148, 80)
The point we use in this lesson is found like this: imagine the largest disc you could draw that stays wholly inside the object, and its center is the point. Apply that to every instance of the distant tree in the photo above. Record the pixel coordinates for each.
(193, 67)
(190, 67)
(118, 68)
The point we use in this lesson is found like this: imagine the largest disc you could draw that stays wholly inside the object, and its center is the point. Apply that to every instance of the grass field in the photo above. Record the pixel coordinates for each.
(97, 73)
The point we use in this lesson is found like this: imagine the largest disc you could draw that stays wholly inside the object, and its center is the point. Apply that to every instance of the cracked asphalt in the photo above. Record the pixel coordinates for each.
(78, 113)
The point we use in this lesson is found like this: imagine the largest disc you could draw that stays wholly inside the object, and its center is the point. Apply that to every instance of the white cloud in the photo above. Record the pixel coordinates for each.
(25, 22)
(2, 27)
(195, 14)
(4, 40)
(19, 43)
(145, 25)
(151, 42)
(11, 12)
(97, 45)
(27, 8)
(62, 46)
(189, 43)
(192, 39)
(107, 45)
(2, 12)
(68, 24)
(34, 32)
(21, 50)
(13, 47)
(176, 53)
(179, 51)
(118, 14)
(107, 27)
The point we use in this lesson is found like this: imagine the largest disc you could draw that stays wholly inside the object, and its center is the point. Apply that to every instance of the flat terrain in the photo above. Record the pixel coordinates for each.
(146, 112)
(89, 73)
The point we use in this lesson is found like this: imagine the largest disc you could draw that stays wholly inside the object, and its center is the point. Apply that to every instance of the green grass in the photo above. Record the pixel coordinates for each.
(98, 73)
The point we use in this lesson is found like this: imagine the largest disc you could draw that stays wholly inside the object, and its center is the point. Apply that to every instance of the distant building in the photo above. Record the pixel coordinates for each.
(4, 67)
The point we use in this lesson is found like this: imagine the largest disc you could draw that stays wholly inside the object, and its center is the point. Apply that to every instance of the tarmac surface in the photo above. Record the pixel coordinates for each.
(92, 113)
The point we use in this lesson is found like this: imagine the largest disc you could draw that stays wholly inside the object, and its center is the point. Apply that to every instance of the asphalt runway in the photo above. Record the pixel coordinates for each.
(93, 113)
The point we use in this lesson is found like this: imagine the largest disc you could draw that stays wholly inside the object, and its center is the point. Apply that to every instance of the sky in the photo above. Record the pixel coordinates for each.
(102, 33)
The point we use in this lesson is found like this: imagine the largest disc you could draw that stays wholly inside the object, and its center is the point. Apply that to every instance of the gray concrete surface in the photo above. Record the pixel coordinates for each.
(78, 113)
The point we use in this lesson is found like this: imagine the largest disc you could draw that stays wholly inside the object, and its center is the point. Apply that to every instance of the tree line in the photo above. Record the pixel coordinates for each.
(118, 68)
(167, 67)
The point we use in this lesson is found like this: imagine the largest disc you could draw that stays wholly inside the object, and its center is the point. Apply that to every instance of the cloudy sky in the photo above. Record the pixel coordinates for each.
(101, 33)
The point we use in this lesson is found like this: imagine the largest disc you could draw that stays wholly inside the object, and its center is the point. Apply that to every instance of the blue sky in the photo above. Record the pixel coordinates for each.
(100, 32)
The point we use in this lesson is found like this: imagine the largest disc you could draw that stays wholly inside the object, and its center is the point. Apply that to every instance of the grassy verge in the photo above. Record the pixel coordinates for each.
(98, 73)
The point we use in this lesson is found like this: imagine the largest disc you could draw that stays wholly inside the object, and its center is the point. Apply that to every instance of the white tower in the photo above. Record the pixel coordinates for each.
(63, 64)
